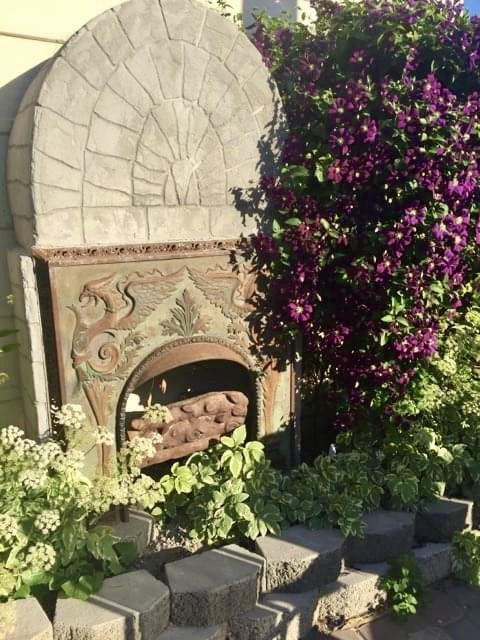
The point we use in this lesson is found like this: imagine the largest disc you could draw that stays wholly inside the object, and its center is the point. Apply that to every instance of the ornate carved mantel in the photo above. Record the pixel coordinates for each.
(120, 322)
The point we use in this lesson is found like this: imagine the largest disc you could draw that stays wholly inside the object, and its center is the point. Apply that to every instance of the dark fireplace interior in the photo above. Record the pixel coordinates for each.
(184, 382)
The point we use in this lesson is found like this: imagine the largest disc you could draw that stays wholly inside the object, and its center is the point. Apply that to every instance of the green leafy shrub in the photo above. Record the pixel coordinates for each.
(232, 491)
(50, 536)
(334, 491)
(466, 556)
(404, 585)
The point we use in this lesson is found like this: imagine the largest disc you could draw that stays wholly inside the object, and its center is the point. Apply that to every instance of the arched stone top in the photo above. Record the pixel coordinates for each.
(144, 127)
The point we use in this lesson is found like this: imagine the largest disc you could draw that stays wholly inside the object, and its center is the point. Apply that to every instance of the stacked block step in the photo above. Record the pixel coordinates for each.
(212, 587)
(131, 606)
(439, 520)
(300, 559)
(388, 534)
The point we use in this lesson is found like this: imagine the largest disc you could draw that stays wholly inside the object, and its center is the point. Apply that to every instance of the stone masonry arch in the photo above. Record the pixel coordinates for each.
(141, 129)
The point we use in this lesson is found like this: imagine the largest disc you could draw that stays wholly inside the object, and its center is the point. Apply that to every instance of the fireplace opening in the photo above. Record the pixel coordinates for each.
(206, 398)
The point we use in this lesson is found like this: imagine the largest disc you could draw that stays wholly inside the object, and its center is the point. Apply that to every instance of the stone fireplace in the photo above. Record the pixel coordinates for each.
(131, 159)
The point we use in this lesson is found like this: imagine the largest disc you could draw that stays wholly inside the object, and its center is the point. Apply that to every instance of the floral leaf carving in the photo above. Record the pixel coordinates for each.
(186, 320)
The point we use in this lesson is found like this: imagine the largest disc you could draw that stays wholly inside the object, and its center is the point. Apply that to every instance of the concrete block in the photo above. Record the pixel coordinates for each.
(435, 561)
(440, 519)
(142, 20)
(301, 559)
(131, 606)
(388, 534)
(228, 222)
(214, 586)
(137, 528)
(168, 224)
(86, 56)
(287, 616)
(216, 632)
(352, 594)
(29, 621)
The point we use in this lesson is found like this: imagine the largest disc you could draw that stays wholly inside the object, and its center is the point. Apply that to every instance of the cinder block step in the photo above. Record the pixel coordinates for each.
(301, 559)
(440, 519)
(25, 620)
(282, 616)
(212, 587)
(388, 534)
(131, 606)
(352, 594)
(434, 560)
(217, 632)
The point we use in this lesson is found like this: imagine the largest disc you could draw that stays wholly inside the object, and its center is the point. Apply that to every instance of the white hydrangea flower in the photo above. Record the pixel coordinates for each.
(157, 413)
(41, 556)
(70, 416)
(104, 436)
(8, 528)
(9, 436)
(48, 521)
(157, 438)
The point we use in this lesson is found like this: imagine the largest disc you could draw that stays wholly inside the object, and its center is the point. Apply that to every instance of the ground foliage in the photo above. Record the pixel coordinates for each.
(376, 226)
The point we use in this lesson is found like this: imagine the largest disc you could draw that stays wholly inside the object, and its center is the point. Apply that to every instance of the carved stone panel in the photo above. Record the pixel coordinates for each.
(112, 314)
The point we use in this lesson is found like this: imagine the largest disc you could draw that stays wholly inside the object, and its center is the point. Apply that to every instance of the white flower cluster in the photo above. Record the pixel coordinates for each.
(9, 436)
(72, 460)
(48, 521)
(70, 416)
(8, 528)
(41, 556)
(157, 413)
(104, 436)
(32, 480)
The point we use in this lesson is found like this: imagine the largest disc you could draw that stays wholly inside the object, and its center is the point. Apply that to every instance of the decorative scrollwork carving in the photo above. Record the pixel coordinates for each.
(110, 306)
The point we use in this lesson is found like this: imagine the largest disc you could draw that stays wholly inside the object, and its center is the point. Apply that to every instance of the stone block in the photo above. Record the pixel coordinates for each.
(170, 224)
(216, 632)
(434, 560)
(68, 93)
(79, 620)
(109, 174)
(105, 225)
(137, 528)
(61, 228)
(142, 20)
(86, 56)
(440, 519)
(28, 621)
(131, 606)
(110, 36)
(243, 60)
(184, 20)
(287, 616)
(195, 65)
(113, 107)
(168, 59)
(59, 138)
(301, 559)
(228, 222)
(124, 84)
(352, 594)
(142, 68)
(214, 586)
(218, 35)
(111, 139)
(388, 534)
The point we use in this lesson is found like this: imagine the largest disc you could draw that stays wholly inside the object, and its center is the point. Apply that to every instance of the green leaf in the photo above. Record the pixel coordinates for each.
(227, 441)
(127, 552)
(84, 587)
(293, 222)
(236, 464)
(240, 435)
(244, 511)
